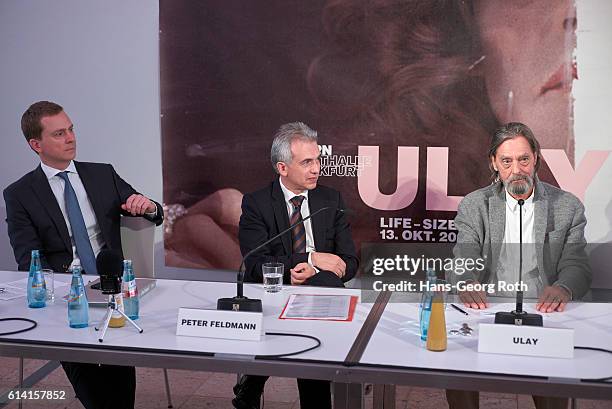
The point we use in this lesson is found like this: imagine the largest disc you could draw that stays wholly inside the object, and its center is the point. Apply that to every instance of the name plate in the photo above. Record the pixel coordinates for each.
(193, 322)
(526, 340)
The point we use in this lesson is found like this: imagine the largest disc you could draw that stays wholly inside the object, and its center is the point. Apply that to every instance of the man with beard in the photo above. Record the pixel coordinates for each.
(554, 263)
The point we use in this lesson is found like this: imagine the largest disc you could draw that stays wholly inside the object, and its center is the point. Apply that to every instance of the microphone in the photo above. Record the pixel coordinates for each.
(242, 303)
(518, 316)
(110, 268)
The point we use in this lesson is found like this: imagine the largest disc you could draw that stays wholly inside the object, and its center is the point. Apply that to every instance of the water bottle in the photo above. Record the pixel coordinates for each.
(130, 292)
(78, 309)
(37, 290)
(425, 306)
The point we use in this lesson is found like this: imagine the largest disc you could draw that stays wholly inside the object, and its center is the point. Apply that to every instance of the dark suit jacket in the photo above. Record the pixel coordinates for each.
(264, 214)
(35, 220)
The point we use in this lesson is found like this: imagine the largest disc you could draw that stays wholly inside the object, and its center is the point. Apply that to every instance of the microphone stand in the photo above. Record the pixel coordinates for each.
(242, 303)
(518, 316)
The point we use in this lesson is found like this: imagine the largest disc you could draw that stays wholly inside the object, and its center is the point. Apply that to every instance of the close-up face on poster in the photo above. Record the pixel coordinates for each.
(405, 97)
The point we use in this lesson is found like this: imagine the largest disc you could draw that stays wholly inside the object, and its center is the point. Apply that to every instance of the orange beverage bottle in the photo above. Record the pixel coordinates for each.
(117, 320)
(436, 334)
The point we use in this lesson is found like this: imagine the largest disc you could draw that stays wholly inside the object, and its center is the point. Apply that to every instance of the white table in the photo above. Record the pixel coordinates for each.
(393, 355)
(397, 354)
(158, 346)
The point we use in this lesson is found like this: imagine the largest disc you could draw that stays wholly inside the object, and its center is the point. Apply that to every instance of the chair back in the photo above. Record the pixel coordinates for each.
(138, 241)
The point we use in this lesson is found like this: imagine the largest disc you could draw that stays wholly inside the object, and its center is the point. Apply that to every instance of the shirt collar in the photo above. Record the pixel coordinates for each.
(288, 194)
(512, 203)
(50, 172)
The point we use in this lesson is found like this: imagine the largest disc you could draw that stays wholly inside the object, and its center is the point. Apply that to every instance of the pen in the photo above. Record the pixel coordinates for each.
(459, 309)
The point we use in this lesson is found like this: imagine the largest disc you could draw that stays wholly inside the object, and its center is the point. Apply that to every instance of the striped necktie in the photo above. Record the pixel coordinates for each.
(298, 234)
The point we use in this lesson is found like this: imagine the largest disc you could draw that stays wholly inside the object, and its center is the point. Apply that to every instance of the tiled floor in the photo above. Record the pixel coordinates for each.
(197, 390)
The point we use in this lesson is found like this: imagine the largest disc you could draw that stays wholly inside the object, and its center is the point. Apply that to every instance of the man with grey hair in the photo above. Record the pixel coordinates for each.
(554, 263)
(319, 251)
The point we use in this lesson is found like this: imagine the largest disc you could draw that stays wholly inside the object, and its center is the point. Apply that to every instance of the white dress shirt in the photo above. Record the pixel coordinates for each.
(508, 266)
(57, 186)
(305, 210)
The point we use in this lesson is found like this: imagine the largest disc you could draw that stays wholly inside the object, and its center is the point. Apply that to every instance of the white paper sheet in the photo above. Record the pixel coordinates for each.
(319, 307)
(22, 284)
(10, 293)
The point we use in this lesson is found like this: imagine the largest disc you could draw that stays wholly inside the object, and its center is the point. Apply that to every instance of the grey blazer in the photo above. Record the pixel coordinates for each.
(559, 223)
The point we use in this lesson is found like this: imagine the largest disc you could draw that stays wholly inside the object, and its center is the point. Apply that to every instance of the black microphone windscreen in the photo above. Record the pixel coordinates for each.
(109, 262)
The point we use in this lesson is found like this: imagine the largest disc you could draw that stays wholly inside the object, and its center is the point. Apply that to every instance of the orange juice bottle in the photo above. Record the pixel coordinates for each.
(436, 334)
(117, 320)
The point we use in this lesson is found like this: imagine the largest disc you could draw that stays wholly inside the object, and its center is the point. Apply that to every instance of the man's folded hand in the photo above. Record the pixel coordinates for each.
(138, 205)
(301, 272)
(329, 262)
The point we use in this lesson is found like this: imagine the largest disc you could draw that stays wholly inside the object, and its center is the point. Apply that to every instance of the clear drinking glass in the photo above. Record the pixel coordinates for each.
(272, 277)
(50, 283)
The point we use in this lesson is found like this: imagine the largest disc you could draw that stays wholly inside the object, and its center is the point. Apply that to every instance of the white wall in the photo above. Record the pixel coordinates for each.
(592, 127)
(100, 61)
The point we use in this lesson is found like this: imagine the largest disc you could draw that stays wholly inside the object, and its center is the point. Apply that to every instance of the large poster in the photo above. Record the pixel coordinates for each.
(404, 95)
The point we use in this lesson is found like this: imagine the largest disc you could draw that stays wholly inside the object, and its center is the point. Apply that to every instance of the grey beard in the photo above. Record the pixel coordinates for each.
(517, 189)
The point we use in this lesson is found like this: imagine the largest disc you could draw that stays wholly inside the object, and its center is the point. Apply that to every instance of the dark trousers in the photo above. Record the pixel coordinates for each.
(314, 394)
(102, 386)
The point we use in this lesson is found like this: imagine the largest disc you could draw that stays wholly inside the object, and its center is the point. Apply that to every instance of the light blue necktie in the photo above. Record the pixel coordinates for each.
(77, 224)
